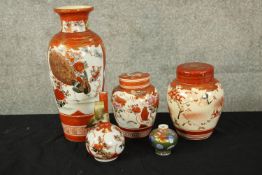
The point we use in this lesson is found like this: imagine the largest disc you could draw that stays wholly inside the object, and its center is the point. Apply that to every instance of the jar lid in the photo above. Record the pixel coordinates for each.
(195, 73)
(135, 80)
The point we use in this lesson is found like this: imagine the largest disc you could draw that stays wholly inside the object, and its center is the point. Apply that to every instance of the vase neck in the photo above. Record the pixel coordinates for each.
(73, 26)
(74, 18)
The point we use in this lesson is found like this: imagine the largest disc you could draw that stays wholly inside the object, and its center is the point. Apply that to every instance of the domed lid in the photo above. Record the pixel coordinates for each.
(195, 73)
(135, 80)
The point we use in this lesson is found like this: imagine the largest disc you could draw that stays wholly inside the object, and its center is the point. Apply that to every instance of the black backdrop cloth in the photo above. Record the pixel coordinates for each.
(34, 144)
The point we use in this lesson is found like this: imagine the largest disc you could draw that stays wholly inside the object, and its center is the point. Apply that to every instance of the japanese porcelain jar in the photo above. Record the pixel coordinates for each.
(76, 58)
(105, 141)
(135, 102)
(195, 100)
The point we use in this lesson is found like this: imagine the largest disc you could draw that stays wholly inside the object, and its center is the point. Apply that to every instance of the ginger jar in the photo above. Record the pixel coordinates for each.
(135, 102)
(195, 100)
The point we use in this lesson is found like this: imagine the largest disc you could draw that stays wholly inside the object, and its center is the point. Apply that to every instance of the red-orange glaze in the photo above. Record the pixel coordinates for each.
(144, 114)
(67, 70)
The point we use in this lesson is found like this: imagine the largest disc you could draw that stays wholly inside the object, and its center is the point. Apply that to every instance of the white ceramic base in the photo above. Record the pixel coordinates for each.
(105, 160)
(163, 153)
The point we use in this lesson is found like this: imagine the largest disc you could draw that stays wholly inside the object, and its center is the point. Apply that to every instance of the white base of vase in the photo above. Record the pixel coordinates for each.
(163, 153)
(105, 160)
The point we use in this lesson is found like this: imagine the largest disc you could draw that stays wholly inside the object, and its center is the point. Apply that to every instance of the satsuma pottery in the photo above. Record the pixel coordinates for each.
(135, 102)
(105, 141)
(163, 140)
(195, 99)
(76, 57)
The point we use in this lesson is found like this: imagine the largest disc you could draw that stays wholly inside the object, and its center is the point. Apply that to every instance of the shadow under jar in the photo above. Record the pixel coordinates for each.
(135, 102)
(195, 100)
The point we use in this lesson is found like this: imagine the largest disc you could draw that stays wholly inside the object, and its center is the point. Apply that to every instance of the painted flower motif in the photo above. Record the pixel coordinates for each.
(98, 147)
(161, 136)
(117, 106)
(120, 100)
(80, 80)
(79, 67)
(71, 59)
(59, 94)
(136, 109)
(95, 72)
(104, 126)
(216, 113)
(174, 94)
(118, 138)
(153, 100)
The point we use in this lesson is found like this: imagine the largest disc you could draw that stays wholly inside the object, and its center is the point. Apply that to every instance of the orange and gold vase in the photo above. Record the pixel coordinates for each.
(76, 57)
(135, 102)
(195, 100)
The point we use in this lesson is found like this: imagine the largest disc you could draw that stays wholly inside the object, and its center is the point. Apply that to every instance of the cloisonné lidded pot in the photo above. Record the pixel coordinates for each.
(105, 141)
(163, 140)
(76, 58)
(195, 100)
(135, 102)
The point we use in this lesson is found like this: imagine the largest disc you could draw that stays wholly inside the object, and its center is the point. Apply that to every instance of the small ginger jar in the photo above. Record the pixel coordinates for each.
(105, 141)
(135, 102)
(195, 100)
(163, 140)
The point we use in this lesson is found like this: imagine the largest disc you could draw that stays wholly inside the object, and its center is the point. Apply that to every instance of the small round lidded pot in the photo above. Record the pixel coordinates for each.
(163, 140)
(195, 100)
(105, 141)
(135, 102)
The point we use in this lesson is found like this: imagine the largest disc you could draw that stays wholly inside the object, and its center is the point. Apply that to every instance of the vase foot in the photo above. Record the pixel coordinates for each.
(105, 160)
(163, 152)
(189, 135)
(136, 133)
(75, 138)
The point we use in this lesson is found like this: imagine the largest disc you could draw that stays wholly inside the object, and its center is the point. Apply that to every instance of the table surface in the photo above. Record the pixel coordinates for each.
(34, 144)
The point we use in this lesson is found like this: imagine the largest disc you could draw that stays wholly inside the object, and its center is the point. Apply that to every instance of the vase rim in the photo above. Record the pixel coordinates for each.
(73, 9)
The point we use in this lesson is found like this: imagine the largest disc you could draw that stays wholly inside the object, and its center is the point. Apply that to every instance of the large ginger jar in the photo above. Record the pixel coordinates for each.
(195, 100)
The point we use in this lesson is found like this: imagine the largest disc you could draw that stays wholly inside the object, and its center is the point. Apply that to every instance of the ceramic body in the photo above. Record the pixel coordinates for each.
(105, 141)
(195, 100)
(76, 57)
(163, 140)
(135, 102)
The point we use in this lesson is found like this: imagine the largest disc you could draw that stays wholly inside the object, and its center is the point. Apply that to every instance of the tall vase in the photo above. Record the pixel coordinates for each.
(76, 57)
